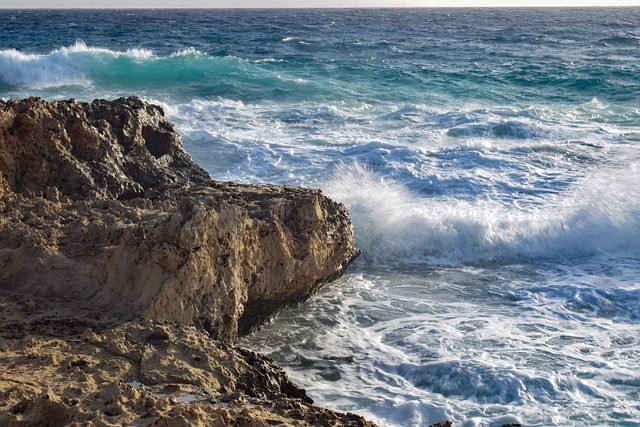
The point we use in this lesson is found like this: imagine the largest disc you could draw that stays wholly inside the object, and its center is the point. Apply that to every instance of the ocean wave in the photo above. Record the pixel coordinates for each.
(267, 60)
(506, 130)
(631, 40)
(187, 74)
(81, 47)
(582, 298)
(42, 71)
(190, 51)
(72, 65)
(477, 382)
(134, 68)
(599, 214)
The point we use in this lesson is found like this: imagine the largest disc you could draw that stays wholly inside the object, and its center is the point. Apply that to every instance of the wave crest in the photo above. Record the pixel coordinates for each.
(598, 214)
(503, 130)
(71, 65)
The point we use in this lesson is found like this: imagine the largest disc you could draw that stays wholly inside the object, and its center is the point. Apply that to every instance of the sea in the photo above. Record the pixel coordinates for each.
(489, 159)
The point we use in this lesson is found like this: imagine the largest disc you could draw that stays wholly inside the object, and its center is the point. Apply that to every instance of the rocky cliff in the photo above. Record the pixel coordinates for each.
(101, 204)
(105, 219)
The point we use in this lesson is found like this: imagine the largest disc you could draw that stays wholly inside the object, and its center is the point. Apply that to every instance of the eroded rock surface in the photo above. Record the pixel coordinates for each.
(66, 365)
(100, 203)
(126, 275)
(114, 150)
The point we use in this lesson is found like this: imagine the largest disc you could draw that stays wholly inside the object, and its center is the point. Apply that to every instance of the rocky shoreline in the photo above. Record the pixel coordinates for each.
(127, 275)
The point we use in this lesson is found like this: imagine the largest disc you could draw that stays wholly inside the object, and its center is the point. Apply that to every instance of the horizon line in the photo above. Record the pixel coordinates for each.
(325, 7)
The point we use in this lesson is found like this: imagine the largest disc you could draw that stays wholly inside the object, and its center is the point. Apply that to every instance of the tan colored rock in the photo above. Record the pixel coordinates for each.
(104, 149)
(139, 373)
(104, 206)
(104, 218)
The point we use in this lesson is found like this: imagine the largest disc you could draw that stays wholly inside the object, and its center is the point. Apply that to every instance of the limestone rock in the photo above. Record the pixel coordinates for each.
(104, 149)
(142, 373)
(99, 203)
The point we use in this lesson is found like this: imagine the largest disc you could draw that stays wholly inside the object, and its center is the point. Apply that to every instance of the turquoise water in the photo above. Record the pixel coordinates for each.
(489, 159)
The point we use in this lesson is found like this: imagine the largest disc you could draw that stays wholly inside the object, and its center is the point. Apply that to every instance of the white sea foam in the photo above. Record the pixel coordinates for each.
(268, 60)
(600, 213)
(295, 80)
(39, 71)
(190, 51)
(70, 65)
(433, 344)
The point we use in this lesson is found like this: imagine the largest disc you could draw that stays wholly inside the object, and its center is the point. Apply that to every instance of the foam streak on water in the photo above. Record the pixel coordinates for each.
(489, 159)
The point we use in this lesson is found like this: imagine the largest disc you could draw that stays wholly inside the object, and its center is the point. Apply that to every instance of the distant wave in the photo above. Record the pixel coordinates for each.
(80, 64)
(191, 51)
(625, 40)
(507, 129)
(39, 71)
(73, 65)
(186, 74)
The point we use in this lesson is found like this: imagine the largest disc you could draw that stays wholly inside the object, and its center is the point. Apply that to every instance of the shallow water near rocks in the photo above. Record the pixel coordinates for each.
(489, 159)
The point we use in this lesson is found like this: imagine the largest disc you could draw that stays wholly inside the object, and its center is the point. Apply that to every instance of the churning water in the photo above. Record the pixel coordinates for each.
(489, 159)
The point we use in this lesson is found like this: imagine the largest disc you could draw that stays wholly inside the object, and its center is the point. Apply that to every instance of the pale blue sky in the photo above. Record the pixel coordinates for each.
(302, 3)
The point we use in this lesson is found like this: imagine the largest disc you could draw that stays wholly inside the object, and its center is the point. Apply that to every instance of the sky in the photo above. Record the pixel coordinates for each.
(305, 3)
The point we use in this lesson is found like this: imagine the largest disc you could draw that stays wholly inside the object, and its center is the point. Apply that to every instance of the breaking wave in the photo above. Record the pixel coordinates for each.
(600, 213)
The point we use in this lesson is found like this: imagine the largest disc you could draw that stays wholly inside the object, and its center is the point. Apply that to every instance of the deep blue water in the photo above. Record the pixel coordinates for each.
(489, 159)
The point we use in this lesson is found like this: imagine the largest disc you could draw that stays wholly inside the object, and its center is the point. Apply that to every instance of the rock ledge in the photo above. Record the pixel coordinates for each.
(126, 274)
(101, 204)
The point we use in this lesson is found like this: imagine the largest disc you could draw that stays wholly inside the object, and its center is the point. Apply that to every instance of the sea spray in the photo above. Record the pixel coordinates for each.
(600, 213)
(39, 72)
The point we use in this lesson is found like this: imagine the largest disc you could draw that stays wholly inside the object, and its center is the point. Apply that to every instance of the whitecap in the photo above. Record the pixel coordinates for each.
(190, 51)
(599, 214)
(69, 65)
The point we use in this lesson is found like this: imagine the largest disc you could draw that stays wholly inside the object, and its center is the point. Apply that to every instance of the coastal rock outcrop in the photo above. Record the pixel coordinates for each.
(126, 275)
(64, 366)
(100, 203)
